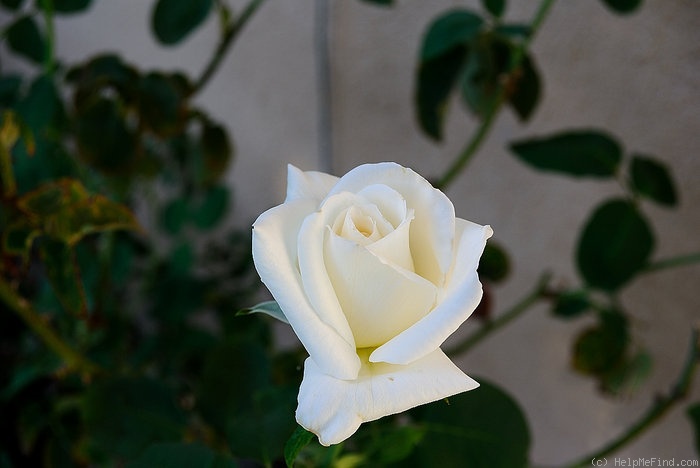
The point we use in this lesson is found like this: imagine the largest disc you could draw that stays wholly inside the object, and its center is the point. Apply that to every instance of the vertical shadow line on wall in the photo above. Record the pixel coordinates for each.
(323, 85)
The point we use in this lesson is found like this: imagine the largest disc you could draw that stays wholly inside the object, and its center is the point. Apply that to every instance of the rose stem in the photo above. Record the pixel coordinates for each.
(478, 137)
(229, 32)
(660, 407)
(49, 52)
(681, 260)
(73, 359)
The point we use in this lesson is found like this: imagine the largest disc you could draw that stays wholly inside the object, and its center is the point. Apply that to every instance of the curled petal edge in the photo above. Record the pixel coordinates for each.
(462, 294)
(312, 185)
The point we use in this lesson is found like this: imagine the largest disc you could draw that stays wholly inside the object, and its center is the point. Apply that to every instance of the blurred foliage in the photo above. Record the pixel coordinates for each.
(117, 337)
(461, 50)
(615, 246)
(120, 278)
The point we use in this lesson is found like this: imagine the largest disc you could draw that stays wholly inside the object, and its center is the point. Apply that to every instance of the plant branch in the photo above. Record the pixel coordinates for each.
(9, 134)
(472, 146)
(511, 314)
(478, 136)
(229, 33)
(49, 57)
(657, 410)
(39, 325)
(681, 260)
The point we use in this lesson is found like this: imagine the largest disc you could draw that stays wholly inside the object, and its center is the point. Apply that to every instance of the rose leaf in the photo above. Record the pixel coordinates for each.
(614, 246)
(577, 153)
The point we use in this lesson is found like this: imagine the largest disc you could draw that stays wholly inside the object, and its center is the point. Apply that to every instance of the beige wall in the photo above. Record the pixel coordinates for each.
(636, 76)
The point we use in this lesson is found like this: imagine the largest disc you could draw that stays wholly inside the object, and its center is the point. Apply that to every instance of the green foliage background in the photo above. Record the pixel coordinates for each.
(121, 346)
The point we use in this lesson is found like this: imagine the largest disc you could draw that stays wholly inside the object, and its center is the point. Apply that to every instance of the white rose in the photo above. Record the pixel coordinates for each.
(373, 272)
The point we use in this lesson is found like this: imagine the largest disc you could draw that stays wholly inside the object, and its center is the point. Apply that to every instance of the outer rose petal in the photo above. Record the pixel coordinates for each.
(433, 229)
(275, 257)
(309, 184)
(333, 409)
(461, 296)
(313, 273)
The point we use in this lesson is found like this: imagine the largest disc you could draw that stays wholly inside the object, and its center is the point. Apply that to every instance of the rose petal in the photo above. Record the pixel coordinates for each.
(472, 239)
(275, 258)
(379, 300)
(456, 304)
(394, 248)
(432, 232)
(363, 224)
(389, 201)
(310, 184)
(333, 409)
(311, 258)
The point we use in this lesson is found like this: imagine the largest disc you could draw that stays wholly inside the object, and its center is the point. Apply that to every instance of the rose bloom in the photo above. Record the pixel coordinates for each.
(373, 271)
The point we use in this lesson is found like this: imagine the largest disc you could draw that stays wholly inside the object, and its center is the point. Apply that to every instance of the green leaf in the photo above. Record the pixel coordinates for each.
(211, 208)
(577, 153)
(614, 246)
(484, 426)
(42, 161)
(51, 197)
(42, 365)
(125, 415)
(101, 73)
(623, 6)
(481, 82)
(96, 213)
(11, 4)
(270, 308)
(386, 443)
(652, 179)
(42, 156)
(436, 78)
(174, 215)
(64, 276)
(9, 89)
(629, 375)
(527, 91)
(600, 349)
(179, 295)
(216, 152)
(180, 455)
(19, 237)
(104, 138)
(514, 30)
(299, 439)
(570, 304)
(173, 20)
(693, 413)
(64, 210)
(453, 30)
(494, 264)
(261, 429)
(233, 372)
(65, 6)
(495, 7)
(24, 38)
(161, 104)
(42, 105)
(181, 260)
